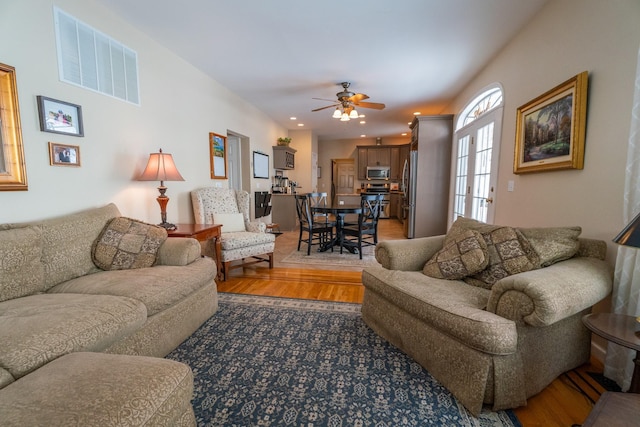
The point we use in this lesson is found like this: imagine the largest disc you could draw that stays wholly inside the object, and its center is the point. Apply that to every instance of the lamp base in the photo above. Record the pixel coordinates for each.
(168, 226)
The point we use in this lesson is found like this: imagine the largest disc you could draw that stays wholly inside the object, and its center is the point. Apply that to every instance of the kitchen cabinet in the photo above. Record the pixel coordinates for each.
(283, 211)
(394, 201)
(375, 155)
(283, 157)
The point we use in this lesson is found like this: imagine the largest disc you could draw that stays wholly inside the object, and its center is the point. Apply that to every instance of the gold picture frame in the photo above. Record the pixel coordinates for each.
(218, 156)
(64, 154)
(13, 170)
(550, 129)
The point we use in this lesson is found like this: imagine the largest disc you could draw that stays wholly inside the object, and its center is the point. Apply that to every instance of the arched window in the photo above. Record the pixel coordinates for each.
(475, 156)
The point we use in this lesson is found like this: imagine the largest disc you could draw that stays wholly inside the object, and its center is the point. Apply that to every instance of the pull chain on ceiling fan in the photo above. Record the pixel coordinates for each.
(347, 103)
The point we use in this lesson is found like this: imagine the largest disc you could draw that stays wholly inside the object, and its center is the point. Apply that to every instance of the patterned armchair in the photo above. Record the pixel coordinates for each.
(242, 238)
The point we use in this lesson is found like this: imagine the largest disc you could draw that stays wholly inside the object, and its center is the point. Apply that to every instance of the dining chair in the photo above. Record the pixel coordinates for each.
(244, 242)
(365, 232)
(318, 232)
(319, 199)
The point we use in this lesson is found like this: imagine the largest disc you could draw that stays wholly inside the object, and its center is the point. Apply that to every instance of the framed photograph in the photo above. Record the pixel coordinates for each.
(60, 117)
(64, 155)
(13, 169)
(550, 129)
(218, 156)
(260, 165)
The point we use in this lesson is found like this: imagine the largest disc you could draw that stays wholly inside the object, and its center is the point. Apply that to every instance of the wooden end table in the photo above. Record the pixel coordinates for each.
(621, 329)
(202, 233)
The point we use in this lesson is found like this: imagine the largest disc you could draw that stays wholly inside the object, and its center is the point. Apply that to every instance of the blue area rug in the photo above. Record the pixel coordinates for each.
(262, 361)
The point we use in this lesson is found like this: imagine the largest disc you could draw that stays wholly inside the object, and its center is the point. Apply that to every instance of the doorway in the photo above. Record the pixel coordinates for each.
(343, 177)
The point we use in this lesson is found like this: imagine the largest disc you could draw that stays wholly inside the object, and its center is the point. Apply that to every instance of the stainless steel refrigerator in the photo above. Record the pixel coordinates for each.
(425, 176)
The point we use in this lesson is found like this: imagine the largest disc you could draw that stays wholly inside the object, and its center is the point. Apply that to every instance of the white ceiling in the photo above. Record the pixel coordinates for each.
(412, 55)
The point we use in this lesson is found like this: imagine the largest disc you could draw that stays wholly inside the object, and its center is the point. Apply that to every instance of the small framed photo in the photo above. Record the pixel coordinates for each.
(218, 156)
(60, 117)
(64, 155)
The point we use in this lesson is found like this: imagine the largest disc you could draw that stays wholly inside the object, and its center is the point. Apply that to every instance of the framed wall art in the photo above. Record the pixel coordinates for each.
(218, 156)
(260, 165)
(60, 117)
(13, 170)
(64, 155)
(550, 130)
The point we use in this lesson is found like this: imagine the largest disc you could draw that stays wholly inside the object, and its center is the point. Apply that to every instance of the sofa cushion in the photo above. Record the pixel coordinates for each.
(509, 252)
(126, 243)
(21, 270)
(451, 306)
(241, 239)
(553, 244)
(464, 253)
(231, 222)
(107, 390)
(158, 288)
(67, 242)
(39, 328)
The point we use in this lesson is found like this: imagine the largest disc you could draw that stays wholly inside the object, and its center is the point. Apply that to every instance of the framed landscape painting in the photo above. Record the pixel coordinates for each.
(218, 155)
(550, 130)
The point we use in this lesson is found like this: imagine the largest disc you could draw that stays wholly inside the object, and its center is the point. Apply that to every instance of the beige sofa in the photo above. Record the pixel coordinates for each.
(58, 310)
(495, 345)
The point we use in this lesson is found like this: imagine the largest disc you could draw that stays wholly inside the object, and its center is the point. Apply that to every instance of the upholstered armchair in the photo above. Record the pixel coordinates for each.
(241, 239)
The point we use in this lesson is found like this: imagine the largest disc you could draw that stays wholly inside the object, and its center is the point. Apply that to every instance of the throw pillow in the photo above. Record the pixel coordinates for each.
(553, 244)
(21, 270)
(463, 254)
(230, 222)
(126, 243)
(508, 249)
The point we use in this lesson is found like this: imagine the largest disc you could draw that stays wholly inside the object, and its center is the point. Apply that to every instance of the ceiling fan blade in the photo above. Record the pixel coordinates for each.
(358, 97)
(374, 105)
(324, 99)
(324, 108)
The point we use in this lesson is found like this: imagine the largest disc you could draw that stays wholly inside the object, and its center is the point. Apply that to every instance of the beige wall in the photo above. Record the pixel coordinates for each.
(179, 107)
(566, 38)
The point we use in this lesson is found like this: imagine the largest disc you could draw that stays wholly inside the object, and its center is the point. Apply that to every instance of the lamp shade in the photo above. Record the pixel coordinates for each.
(160, 167)
(630, 235)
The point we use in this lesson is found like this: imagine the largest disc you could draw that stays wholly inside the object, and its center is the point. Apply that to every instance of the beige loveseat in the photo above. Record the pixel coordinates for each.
(495, 344)
(73, 336)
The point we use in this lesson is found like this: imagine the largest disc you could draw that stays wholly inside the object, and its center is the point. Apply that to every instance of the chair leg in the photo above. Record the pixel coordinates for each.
(270, 260)
(300, 238)
(360, 245)
(309, 243)
(226, 267)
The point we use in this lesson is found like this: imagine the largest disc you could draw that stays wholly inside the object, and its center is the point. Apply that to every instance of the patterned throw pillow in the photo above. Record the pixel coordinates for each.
(464, 253)
(509, 252)
(126, 243)
(230, 222)
(553, 244)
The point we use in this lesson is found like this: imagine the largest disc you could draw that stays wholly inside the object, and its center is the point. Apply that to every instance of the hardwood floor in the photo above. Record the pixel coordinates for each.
(566, 401)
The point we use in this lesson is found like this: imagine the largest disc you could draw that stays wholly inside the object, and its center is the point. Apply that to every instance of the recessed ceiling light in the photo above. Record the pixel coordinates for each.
(363, 136)
(417, 113)
(403, 134)
(292, 118)
(300, 124)
(363, 122)
(362, 116)
(409, 123)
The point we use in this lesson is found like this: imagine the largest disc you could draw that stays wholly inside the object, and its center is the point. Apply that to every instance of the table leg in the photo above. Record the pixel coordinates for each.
(218, 250)
(635, 379)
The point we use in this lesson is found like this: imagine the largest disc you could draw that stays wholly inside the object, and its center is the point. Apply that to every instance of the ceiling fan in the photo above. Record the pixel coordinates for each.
(348, 101)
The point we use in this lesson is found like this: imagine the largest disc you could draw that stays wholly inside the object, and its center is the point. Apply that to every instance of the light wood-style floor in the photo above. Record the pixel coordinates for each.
(566, 401)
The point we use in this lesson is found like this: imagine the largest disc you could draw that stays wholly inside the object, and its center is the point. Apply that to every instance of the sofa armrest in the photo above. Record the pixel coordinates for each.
(257, 227)
(178, 251)
(407, 255)
(544, 296)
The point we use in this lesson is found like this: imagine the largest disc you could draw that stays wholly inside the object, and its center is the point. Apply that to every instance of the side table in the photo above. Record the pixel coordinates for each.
(614, 410)
(202, 233)
(621, 329)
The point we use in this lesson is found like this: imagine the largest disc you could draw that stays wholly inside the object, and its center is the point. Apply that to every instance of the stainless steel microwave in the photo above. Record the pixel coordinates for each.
(378, 172)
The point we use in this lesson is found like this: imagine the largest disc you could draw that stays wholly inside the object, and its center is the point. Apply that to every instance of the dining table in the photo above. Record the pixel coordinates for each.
(339, 211)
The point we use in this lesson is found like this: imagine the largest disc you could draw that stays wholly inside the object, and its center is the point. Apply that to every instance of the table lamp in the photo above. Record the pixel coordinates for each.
(161, 168)
(630, 235)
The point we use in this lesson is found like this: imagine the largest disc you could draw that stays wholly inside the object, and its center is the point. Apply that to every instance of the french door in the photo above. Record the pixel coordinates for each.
(476, 168)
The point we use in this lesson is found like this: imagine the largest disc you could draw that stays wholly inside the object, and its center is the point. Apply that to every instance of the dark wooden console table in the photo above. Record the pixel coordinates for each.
(202, 233)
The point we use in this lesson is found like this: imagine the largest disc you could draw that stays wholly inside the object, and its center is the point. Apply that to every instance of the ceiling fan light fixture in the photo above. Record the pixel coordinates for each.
(344, 117)
(337, 113)
(353, 114)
